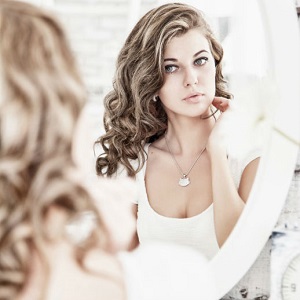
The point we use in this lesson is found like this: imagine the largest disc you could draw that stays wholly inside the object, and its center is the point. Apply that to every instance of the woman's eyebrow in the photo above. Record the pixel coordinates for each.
(199, 52)
(175, 59)
(170, 59)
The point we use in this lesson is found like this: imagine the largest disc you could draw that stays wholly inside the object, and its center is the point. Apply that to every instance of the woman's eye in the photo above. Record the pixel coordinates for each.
(170, 68)
(201, 61)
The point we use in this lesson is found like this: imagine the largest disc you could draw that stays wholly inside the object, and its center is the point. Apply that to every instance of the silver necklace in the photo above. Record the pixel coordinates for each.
(184, 179)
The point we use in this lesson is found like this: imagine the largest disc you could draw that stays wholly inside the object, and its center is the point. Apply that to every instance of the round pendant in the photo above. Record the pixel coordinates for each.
(184, 181)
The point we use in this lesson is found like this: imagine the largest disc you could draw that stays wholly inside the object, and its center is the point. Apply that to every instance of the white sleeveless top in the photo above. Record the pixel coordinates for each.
(160, 271)
(197, 231)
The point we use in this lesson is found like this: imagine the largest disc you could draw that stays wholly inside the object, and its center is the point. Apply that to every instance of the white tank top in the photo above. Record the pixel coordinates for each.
(197, 231)
(162, 271)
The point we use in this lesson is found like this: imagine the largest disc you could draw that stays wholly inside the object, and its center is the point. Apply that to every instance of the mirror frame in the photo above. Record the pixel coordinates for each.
(278, 161)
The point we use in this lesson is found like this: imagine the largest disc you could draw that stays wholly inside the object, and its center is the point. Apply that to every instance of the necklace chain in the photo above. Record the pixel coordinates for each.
(184, 175)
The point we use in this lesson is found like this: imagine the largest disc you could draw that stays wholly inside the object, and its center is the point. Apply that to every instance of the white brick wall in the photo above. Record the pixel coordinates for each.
(97, 30)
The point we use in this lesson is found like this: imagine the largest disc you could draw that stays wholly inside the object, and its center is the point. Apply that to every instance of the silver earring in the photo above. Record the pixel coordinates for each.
(154, 98)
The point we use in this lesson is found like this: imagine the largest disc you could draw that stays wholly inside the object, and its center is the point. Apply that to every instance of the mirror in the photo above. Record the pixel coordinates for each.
(274, 75)
(279, 157)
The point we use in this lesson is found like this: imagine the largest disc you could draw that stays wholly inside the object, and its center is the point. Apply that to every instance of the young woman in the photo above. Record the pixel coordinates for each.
(55, 238)
(162, 129)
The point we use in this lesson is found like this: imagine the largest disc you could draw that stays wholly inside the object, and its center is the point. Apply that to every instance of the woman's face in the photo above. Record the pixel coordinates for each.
(189, 75)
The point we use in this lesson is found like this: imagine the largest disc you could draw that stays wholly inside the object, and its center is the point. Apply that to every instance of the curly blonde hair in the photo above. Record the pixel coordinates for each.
(131, 118)
(40, 100)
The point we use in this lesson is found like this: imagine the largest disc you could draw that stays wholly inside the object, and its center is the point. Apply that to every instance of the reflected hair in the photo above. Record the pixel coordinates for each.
(40, 100)
(131, 118)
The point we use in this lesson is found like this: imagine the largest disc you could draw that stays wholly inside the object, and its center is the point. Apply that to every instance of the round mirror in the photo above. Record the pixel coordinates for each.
(261, 43)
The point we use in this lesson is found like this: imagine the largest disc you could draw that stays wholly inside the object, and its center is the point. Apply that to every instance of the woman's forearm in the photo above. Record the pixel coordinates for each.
(228, 205)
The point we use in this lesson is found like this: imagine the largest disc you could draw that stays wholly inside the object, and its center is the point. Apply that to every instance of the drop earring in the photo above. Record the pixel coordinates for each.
(154, 98)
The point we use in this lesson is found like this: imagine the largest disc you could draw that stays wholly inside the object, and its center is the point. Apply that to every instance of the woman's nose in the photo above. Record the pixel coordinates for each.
(190, 77)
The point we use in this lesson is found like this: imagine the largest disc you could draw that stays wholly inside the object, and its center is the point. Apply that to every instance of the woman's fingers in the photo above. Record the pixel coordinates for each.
(221, 103)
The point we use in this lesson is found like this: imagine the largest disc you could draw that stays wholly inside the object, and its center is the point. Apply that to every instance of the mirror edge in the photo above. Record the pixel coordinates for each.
(275, 170)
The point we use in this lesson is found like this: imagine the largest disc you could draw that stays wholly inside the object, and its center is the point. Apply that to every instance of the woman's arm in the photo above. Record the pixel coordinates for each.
(228, 201)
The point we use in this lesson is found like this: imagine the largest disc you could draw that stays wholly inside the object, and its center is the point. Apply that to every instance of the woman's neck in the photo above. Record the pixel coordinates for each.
(188, 136)
(103, 275)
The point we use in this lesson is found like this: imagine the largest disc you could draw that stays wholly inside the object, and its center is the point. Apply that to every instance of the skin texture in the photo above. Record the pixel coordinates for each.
(189, 69)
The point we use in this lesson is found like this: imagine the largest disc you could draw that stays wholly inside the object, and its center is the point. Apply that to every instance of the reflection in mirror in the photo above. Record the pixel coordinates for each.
(194, 166)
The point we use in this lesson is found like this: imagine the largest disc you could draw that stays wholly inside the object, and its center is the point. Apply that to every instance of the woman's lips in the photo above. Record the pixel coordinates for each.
(193, 98)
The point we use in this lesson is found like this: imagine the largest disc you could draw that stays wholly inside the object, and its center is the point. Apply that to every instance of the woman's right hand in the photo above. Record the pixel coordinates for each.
(218, 139)
(221, 103)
